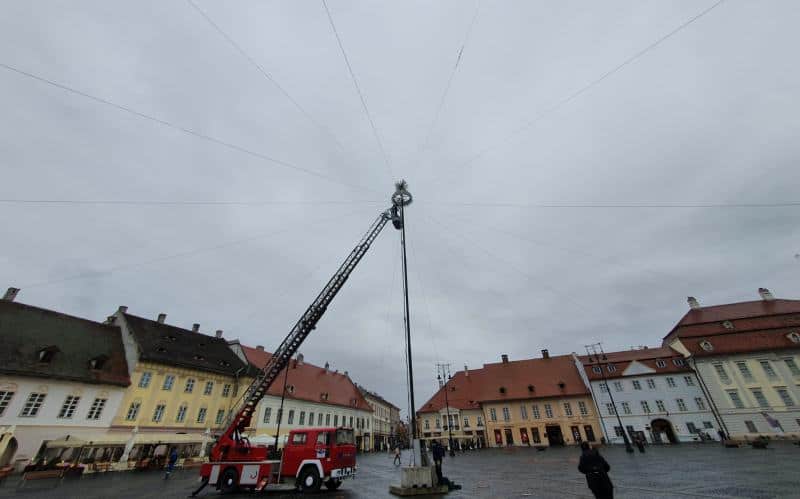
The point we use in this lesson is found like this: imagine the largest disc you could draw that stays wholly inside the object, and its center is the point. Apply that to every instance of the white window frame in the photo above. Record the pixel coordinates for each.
(96, 410)
(69, 406)
(32, 405)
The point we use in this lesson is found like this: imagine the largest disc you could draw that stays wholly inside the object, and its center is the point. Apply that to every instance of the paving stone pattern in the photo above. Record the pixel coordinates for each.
(683, 471)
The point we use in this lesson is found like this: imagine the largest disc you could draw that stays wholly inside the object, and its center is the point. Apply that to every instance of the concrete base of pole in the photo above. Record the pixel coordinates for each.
(418, 480)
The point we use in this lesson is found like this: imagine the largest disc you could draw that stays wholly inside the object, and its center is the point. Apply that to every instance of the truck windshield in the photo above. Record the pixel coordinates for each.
(344, 437)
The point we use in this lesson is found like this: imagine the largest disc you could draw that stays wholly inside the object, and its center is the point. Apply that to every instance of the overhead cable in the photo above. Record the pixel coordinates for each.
(574, 95)
(185, 130)
(264, 72)
(358, 89)
(182, 254)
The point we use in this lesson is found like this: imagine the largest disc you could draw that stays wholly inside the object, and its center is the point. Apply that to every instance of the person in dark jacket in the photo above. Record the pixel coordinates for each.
(438, 452)
(596, 470)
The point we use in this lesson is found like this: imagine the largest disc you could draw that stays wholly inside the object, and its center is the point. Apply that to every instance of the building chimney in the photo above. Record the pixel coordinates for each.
(766, 295)
(327, 367)
(195, 327)
(219, 333)
(300, 359)
(346, 374)
(693, 303)
(110, 319)
(260, 348)
(11, 293)
(122, 309)
(505, 358)
(545, 354)
(466, 371)
(161, 318)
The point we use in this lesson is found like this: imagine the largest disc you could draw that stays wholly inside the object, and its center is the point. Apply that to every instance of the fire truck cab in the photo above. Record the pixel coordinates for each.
(311, 457)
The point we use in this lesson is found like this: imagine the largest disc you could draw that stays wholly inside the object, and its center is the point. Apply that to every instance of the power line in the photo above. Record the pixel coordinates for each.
(124, 202)
(566, 100)
(185, 130)
(450, 78)
(264, 72)
(182, 254)
(614, 206)
(358, 89)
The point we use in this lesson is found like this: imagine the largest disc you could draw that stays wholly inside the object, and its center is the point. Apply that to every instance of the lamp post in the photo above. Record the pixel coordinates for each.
(594, 357)
(445, 369)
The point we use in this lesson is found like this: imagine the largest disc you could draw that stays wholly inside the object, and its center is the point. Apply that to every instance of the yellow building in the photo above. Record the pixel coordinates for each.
(538, 402)
(183, 384)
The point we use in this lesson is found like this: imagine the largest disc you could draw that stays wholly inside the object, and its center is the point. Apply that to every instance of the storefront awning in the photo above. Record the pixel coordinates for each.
(168, 438)
(98, 440)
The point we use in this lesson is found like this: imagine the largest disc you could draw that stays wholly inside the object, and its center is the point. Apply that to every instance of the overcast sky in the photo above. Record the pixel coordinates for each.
(549, 103)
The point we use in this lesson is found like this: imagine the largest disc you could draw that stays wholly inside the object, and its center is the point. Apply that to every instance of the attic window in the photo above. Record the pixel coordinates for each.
(161, 349)
(172, 338)
(611, 368)
(503, 389)
(323, 396)
(661, 363)
(531, 388)
(201, 345)
(678, 362)
(224, 363)
(46, 354)
(199, 357)
(561, 385)
(597, 370)
(727, 324)
(793, 337)
(290, 388)
(98, 362)
(706, 345)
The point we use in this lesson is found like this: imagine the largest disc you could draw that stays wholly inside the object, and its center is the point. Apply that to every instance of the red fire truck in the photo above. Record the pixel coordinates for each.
(312, 456)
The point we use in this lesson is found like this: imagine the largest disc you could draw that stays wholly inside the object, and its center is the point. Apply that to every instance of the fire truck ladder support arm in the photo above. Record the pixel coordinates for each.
(233, 435)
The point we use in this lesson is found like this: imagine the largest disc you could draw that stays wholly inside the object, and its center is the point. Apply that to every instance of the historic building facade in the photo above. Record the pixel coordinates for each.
(653, 393)
(183, 384)
(747, 359)
(380, 433)
(62, 379)
(314, 396)
(539, 402)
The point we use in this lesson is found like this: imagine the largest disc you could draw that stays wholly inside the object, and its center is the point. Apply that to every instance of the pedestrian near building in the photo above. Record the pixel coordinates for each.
(173, 458)
(397, 456)
(639, 441)
(596, 469)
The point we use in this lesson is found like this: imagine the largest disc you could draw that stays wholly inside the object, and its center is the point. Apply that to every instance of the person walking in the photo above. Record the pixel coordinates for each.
(397, 456)
(173, 458)
(438, 452)
(639, 441)
(596, 470)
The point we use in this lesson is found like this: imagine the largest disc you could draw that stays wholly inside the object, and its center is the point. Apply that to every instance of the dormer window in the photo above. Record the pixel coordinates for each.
(597, 370)
(503, 390)
(611, 368)
(531, 388)
(794, 337)
(224, 363)
(290, 388)
(161, 350)
(706, 345)
(172, 338)
(46, 354)
(678, 362)
(199, 357)
(561, 385)
(98, 362)
(661, 363)
(727, 324)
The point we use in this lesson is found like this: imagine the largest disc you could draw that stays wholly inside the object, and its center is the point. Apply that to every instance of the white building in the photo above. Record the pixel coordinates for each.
(384, 419)
(653, 391)
(314, 397)
(61, 378)
(747, 357)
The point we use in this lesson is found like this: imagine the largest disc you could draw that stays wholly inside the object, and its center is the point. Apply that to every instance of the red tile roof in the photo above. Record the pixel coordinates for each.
(739, 327)
(311, 382)
(622, 360)
(556, 376)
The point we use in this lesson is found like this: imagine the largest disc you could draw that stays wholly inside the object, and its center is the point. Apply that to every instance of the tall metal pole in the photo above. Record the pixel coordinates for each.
(445, 377)
(400, 199)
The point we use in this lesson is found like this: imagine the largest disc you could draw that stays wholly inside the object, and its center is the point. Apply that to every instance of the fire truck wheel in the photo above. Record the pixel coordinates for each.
(229, 481)
(333, 484)
(310, 480)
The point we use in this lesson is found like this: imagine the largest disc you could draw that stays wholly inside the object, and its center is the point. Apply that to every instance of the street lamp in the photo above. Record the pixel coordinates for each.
(449, 419)
(594, 357)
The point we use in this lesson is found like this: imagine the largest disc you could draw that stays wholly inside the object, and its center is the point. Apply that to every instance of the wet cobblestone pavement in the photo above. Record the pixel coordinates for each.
(662, 472)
